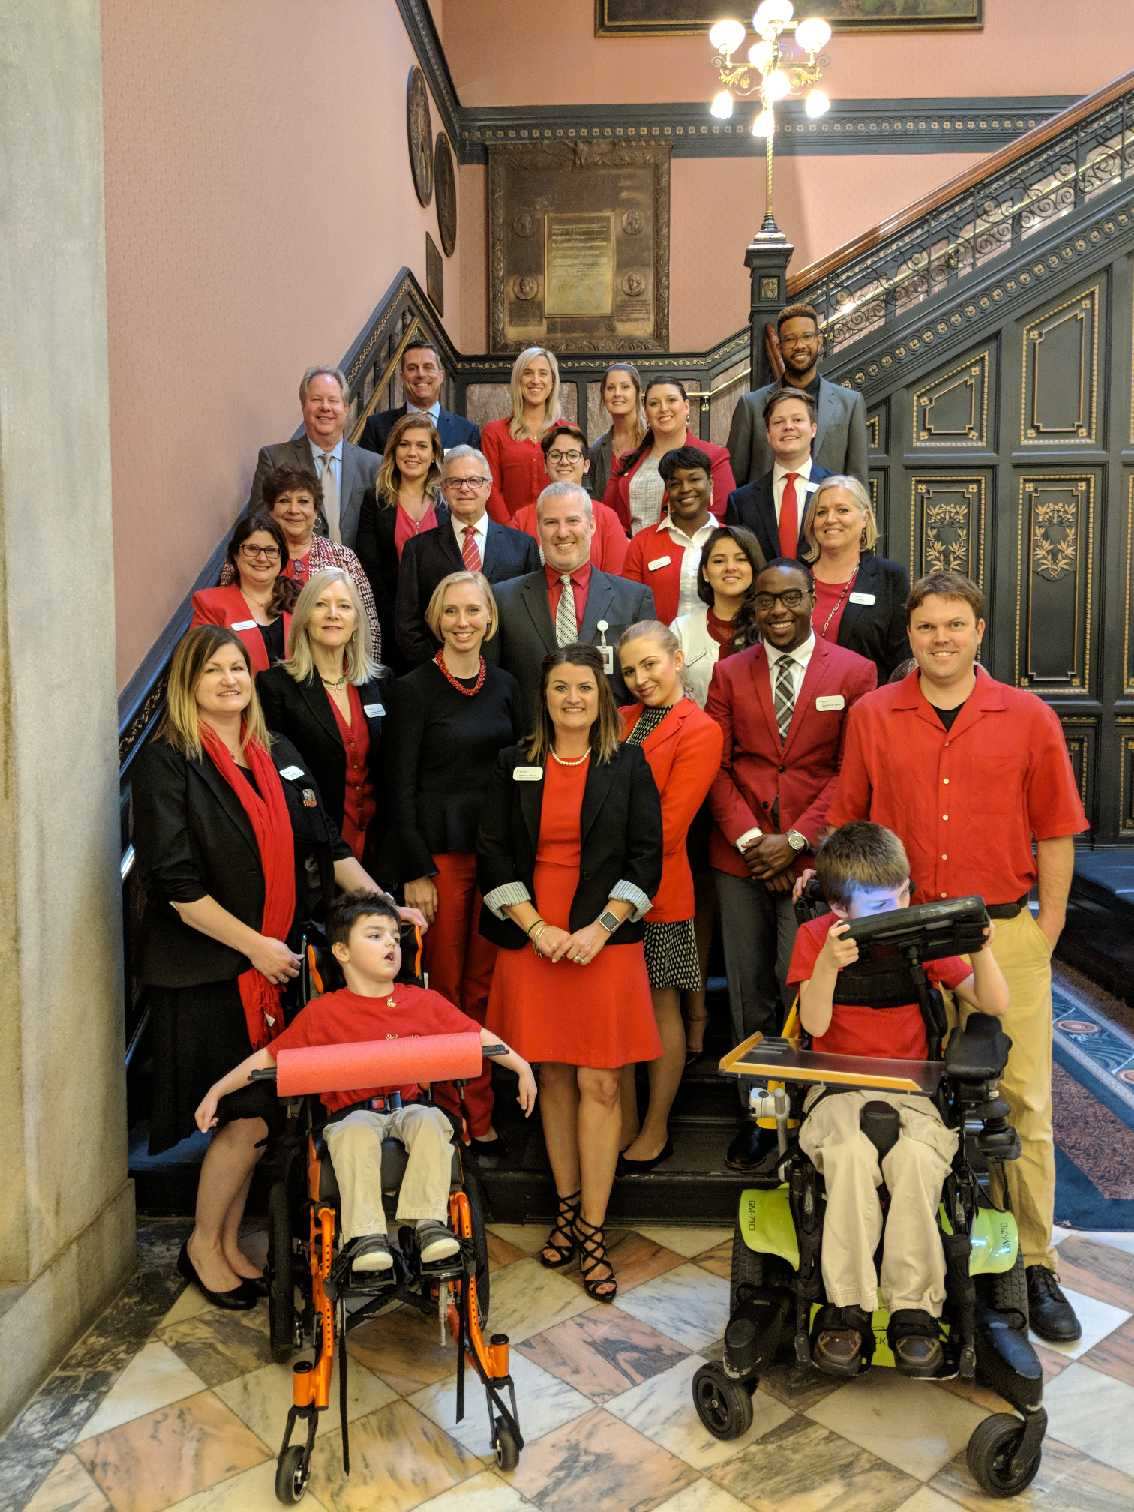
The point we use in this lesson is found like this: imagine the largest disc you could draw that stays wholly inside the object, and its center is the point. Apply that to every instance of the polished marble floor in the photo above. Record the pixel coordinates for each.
(189, 1413)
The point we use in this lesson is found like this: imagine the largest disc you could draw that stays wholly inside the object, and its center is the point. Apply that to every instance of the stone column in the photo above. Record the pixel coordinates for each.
(66, 1206)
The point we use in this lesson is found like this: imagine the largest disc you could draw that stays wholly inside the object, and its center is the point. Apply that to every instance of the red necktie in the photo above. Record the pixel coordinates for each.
(470, 553)
(789, 518)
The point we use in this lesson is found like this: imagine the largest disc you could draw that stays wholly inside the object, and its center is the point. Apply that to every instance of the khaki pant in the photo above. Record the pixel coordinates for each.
(913, 1262)
(355, 1147)
(1024, 956)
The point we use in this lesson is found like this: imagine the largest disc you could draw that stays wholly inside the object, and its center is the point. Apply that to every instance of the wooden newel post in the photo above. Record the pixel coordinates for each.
(766, 258)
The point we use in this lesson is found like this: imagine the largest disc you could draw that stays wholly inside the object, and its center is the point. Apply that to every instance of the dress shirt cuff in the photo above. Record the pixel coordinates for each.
(626, 892)
(507, 895)
(748, 836)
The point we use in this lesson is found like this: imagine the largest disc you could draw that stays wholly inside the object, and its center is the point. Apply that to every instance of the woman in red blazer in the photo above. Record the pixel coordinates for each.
(636, 491)
(512, 446)
(257, 607)
(666, 557)
(683, 748)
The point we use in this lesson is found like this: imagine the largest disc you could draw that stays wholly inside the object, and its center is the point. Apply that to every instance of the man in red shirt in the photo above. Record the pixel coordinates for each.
(969, 773)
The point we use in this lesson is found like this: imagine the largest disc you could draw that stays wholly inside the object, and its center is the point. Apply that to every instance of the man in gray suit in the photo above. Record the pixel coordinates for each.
(567, 600)
(840, 440)
(346, 471)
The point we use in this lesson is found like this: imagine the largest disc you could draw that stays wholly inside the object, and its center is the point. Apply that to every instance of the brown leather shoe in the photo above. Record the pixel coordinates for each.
(840, 1341)
(915, 1341)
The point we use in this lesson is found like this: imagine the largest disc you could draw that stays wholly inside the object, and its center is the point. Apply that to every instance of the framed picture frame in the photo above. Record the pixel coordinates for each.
(654, 18)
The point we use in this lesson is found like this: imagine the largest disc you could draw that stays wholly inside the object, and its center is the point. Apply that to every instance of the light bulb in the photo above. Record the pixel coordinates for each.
(722, 105)
(727, 35)
(772, 16)
(777, 85)
(764, 124)
(813, 34)
(760, 56)
(816, 104)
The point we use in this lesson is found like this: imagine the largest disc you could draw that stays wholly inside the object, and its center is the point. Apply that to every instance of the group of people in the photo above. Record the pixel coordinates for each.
(566, 707)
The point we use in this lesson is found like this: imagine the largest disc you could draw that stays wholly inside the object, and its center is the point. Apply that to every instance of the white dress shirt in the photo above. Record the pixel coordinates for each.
(802, 487)
(433, 411)
(688, 598)
(481, 529)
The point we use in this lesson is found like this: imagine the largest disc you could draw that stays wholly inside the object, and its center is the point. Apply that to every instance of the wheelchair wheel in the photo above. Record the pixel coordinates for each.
(504, 1445)
(723, 1405)
(292, 1472)
(281, 1288)
(747, 1265)
(475, 1196)
(1009, 1292)
(989, 1456)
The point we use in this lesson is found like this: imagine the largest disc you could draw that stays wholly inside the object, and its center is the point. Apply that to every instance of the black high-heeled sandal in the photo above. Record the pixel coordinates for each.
(555, 1256)
(592, 1258)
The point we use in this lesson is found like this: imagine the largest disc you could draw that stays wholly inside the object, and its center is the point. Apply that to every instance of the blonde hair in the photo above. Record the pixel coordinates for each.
(516, 425)
(389, 479)
(358, 664)
(869, 537)
(454, 580)
(639, 408)
(654, 630)
(181, 723)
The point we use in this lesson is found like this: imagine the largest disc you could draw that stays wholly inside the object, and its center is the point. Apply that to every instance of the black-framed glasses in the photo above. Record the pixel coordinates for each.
(455, 484)
(792, 599)
(265, 553)
(575, 455)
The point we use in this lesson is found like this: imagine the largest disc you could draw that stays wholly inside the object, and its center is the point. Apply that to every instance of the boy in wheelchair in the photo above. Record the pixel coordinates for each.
(363, 932)
(862, 870)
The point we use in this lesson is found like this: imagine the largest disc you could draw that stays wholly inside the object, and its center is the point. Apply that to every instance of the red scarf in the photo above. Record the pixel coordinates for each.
(267, 813)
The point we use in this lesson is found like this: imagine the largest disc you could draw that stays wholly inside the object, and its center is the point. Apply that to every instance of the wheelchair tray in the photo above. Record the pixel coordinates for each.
(776, 1059)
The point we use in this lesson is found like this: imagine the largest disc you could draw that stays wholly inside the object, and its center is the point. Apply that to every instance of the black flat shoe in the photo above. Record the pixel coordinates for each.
(627, 1167)
(239, 1299)
(489, 1149)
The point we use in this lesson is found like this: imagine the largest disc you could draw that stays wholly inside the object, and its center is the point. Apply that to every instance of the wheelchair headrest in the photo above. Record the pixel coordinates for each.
(979, 1051)
(378, 1063)
(321, 973)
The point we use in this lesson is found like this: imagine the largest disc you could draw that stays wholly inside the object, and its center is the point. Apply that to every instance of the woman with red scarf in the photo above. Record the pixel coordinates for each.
(224, 820)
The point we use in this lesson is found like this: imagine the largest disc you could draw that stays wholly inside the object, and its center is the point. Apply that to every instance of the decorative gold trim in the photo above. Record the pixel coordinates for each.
(1090, 727)
(1076, 307)
(415, 328)
(1128, 591)
(1124, 821)
(1045, 560)
(936, 555)
(976, 368)
(874, 430)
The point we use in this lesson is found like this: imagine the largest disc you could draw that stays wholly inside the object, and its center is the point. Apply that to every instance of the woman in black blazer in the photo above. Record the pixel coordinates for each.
(570, 856)
(225, 821)
(450, 718)
(860, 598)
(326, 698)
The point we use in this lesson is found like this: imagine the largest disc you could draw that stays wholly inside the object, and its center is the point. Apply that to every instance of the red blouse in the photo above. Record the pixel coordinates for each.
(406, 527)
(830, 606)
(360, 804)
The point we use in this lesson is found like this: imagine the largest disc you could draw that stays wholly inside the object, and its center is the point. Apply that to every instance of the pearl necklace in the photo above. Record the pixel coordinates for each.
(571, 761)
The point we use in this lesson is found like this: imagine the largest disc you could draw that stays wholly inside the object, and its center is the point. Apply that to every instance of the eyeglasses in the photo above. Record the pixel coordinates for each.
(267, 553)
(792, 599)
(574, 455)
(451, 485)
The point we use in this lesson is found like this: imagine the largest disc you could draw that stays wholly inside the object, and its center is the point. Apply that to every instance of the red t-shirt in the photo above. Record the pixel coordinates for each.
(884, 1033)
(346, 1018)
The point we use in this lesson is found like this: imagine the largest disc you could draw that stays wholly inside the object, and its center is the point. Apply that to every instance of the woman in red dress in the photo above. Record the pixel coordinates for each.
(512, 446)
(569, 858)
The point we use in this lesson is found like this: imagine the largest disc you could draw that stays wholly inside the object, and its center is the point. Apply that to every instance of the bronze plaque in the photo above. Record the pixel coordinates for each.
(579, 246)
(645, 18)
(434, 275)
(419, 134)
(445, 180)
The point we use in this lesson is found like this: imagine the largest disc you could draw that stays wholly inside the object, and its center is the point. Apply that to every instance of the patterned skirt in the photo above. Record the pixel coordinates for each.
(671, 956)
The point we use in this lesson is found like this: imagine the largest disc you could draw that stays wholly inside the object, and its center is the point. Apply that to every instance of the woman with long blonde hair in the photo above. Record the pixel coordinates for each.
(512, 446)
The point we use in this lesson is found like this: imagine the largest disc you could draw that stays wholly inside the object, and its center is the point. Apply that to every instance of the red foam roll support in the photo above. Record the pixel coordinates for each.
(378, 1063)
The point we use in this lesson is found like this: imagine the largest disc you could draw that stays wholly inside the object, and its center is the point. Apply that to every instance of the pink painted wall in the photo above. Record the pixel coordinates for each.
(258, 201)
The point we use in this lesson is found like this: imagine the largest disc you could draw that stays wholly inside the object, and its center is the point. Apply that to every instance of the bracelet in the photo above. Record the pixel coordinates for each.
(536, 921)
(538, 932)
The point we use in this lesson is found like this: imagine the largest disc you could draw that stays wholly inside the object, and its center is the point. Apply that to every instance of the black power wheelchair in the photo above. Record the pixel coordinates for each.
(314, 1296)
(777, 1297)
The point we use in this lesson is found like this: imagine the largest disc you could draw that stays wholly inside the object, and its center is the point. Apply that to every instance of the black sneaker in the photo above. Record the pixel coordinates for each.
(1051, 1315)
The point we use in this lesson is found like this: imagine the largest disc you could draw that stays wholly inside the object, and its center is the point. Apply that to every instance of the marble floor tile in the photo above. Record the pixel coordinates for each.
(543, 1402)
(157, 1460)
(250, 1491)
(220, 1345)
(1097, 1318)
(703, 1496)
(398, 1459)
(598, 1462)
(154, 1378)
(191, 1302)
(527, 1298)
(796, 1388)
(687, 1304)
(500, 1252)
(635, 1259)
(69, 1488)
(1121, 1239)
(403, 1348)
(486, 1492)
(261, 1399)
(602, 1352)
(1093, 1413)
(1052, 1363)
(718, 1260)
(528, 1237)
(1114, 1355)
(802, 1467)
(925, 1499)
(686, 1241)
(911, 1424)
(662, 1409)
(1067, 1481)
(1098, 1270)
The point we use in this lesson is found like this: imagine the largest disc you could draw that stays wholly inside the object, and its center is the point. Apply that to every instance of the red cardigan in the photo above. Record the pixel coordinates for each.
(229, 607)
(617, 493)
(663, 578)
(518, 470)
(608, 544)
(684, 755)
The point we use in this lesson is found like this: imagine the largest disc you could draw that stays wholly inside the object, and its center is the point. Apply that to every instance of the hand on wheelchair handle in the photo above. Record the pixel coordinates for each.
(840, 950)
(802, 880)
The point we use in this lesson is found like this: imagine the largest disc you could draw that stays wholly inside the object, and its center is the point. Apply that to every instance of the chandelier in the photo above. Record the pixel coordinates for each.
(783, 62)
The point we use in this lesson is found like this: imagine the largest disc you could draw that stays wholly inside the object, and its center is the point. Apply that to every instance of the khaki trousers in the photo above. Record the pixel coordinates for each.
(1024, 956)
(355, 1147)
(913, 1262)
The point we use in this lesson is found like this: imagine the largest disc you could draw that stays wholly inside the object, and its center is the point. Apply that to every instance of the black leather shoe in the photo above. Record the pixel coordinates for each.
(1051, 1315)
(239, 1299)
(751, 1147)
(628, 1167)
(489, 1149)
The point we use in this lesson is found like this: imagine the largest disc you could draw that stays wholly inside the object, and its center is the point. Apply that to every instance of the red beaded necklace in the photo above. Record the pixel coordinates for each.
(439, 663)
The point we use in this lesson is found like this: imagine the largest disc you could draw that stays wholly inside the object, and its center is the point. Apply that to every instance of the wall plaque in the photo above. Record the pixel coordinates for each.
(640, 18)
(444, 177)
(434, 275)
(419, 134)
(579, 246)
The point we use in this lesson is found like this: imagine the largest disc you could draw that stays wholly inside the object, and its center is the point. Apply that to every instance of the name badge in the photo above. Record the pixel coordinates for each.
(830, 701)
(658, 562)
(291, 772)
(808, 486)
(373, 711)
(243, 625)
(527, 774)
(607, 654)
(862, 598)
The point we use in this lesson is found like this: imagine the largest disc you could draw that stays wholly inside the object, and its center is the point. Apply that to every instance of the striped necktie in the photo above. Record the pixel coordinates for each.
(470, 552)
(785, 694)
(566, 625)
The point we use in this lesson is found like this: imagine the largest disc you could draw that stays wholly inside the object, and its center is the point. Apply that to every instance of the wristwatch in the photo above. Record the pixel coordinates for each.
(797, 841)
(609, 921)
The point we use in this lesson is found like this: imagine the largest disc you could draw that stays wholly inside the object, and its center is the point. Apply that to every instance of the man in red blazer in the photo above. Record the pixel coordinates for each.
(782, 706)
